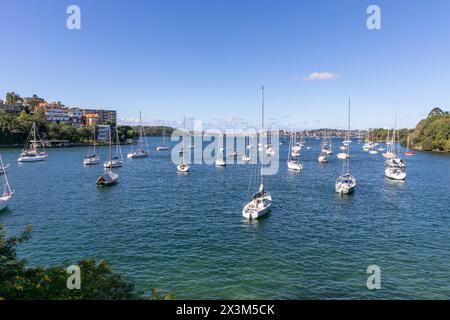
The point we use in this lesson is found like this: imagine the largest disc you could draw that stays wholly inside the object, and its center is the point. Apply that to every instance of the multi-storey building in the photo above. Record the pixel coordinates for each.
(104, 116)
(14, 109)
(57, 115)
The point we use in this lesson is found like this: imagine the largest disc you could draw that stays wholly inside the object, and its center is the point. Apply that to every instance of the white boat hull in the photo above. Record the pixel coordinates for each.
(251, 211)
(134, 155)
(183, 167)
(395, 174)
(342, 156)
(32, 158)
(162, 148)
(246, 158)
(322, 159)
(91, 161)
(4, 202)
(113, 164)
(294, 165)
(220, 163)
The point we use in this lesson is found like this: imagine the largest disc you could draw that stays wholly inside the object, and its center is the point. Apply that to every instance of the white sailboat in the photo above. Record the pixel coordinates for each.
(117, 159)
(3, 168)
(262, 200)
(31, 152)
(109, 177)
(92, 157)
(395, 167)
(293, 164)
(246, 157)
(220, 161)
(163, 146)
(6, 192)
(389, 146)
(323, 157)
(142, 150)
(346, 183)
(183, 166)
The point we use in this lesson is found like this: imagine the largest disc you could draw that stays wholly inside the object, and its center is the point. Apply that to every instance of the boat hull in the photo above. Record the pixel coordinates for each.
(113, 164)
(107, 179)
(322, 159)
(134, 155)
(4, 202)
(251, 212)
(91, 161)
(162, 148)
(395, 174)
(32, 159)
(183, 167)
(294, 166)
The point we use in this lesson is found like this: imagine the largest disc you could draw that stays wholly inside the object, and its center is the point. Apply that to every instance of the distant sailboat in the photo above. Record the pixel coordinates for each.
(6, 193)
(346, 183)
(163, 146)
(323, 157)
(395, 167)
(262, 200)
(183, 166)
(117, 159)
(142, 150)
(109, 177)
(31, 152)
(246, 157)
(92, 157)
(410, 152)
(293, 164)
(220, 161)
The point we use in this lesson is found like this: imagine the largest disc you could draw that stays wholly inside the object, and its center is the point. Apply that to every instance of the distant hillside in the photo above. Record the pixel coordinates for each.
(432, 133)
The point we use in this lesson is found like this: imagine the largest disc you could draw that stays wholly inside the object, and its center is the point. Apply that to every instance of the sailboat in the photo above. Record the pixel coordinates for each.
(346, 143)
(92, 158)
(395, 167)
(389, 146)
(410, 152)
(163, 146)
(323, 157)
(3, 168)
(142, 150)
(109, 177)
(293, 164)
(246, 157)
(372, 149)
(117, 160)
(31, 152)
(346, 183)
(220, 161)
(183, 166)
(262, 200)
(6, 193)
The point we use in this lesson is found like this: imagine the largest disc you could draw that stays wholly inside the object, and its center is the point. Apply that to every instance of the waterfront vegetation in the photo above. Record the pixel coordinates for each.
(14, 129)
(18, 281)
(432, 133)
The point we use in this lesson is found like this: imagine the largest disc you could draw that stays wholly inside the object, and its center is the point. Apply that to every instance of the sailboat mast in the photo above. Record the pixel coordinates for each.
(348, 139)
(34, 136)
(262, 135)
(94, 140)
(110, 149)
(184, 137)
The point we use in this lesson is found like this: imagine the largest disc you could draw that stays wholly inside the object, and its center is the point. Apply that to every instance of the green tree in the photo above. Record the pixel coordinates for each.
(18, 281)
(12, 98)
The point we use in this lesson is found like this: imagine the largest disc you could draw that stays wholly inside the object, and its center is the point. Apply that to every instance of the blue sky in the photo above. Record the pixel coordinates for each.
(206, 59)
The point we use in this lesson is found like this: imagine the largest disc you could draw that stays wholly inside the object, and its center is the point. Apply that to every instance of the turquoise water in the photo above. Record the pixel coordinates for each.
(185, 233)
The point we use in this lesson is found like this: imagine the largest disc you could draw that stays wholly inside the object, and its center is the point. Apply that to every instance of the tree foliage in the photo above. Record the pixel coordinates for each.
(432, 133)
(98, 279)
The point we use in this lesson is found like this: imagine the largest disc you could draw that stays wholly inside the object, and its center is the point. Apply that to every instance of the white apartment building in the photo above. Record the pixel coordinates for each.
(103, 132)
(57, 115)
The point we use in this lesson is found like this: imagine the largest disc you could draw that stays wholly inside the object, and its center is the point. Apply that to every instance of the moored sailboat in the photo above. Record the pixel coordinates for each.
(117, 160)
(108, 178)
(6, 192)
(346, 183)
(261, 202)
(31, 152)
(183, 167)
(142, 150)
(92, 157)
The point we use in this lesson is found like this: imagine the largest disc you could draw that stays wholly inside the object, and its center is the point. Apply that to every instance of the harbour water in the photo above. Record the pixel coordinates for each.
(185, 233)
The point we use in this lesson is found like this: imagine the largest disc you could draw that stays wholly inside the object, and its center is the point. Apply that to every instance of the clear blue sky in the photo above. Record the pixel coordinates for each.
(207, 58)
